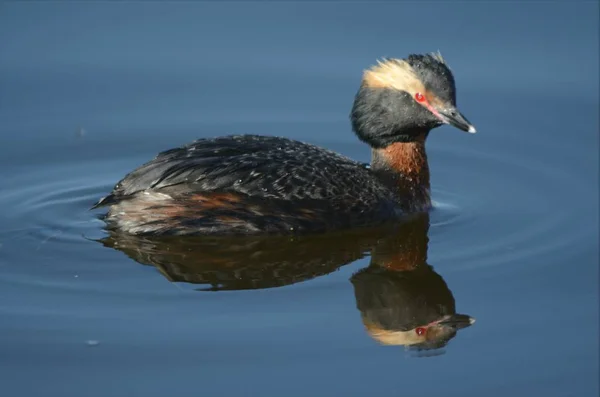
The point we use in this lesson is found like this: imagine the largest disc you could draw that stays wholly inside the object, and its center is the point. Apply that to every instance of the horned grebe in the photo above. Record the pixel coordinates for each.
(250, 184)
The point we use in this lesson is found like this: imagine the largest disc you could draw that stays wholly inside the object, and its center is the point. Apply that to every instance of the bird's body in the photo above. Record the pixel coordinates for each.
(246, 184)
(249, 184)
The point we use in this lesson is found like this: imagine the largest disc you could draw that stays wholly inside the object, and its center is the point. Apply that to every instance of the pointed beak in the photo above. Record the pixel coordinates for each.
(457, 321)
(452, 116)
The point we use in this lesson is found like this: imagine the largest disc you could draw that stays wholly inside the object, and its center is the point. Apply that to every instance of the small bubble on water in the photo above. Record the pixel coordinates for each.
(92, 342)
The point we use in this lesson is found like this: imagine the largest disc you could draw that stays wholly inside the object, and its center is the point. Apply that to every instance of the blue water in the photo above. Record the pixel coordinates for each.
(91, 90)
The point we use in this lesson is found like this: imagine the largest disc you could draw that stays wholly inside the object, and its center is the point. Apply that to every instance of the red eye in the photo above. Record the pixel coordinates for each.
(419, 97)
(421, 331)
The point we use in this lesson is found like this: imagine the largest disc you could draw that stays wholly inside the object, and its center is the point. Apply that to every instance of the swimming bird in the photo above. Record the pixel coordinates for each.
(253, 184)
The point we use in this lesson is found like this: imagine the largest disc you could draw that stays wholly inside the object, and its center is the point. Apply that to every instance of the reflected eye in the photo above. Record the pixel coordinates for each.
(421, 331)
(419, 97)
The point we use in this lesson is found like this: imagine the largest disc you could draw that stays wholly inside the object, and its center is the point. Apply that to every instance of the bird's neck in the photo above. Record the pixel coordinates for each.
(403, 167)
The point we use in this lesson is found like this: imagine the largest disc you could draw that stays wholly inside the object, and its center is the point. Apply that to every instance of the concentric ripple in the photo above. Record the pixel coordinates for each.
(492, 209)
(51, 205)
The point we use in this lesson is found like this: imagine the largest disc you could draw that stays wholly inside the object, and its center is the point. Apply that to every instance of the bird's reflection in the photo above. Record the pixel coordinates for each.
(401, 299)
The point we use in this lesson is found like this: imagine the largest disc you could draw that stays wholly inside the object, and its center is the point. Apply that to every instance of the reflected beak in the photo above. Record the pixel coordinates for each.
(452, 116)
(457, 321)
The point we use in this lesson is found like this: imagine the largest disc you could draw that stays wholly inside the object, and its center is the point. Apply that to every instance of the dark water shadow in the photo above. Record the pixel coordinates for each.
(401, 299)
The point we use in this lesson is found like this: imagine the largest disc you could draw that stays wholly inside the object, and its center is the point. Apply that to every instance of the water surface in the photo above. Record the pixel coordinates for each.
(90, 91)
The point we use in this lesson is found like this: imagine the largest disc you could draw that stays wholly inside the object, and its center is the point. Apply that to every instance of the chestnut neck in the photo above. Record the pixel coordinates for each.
(403, 167)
